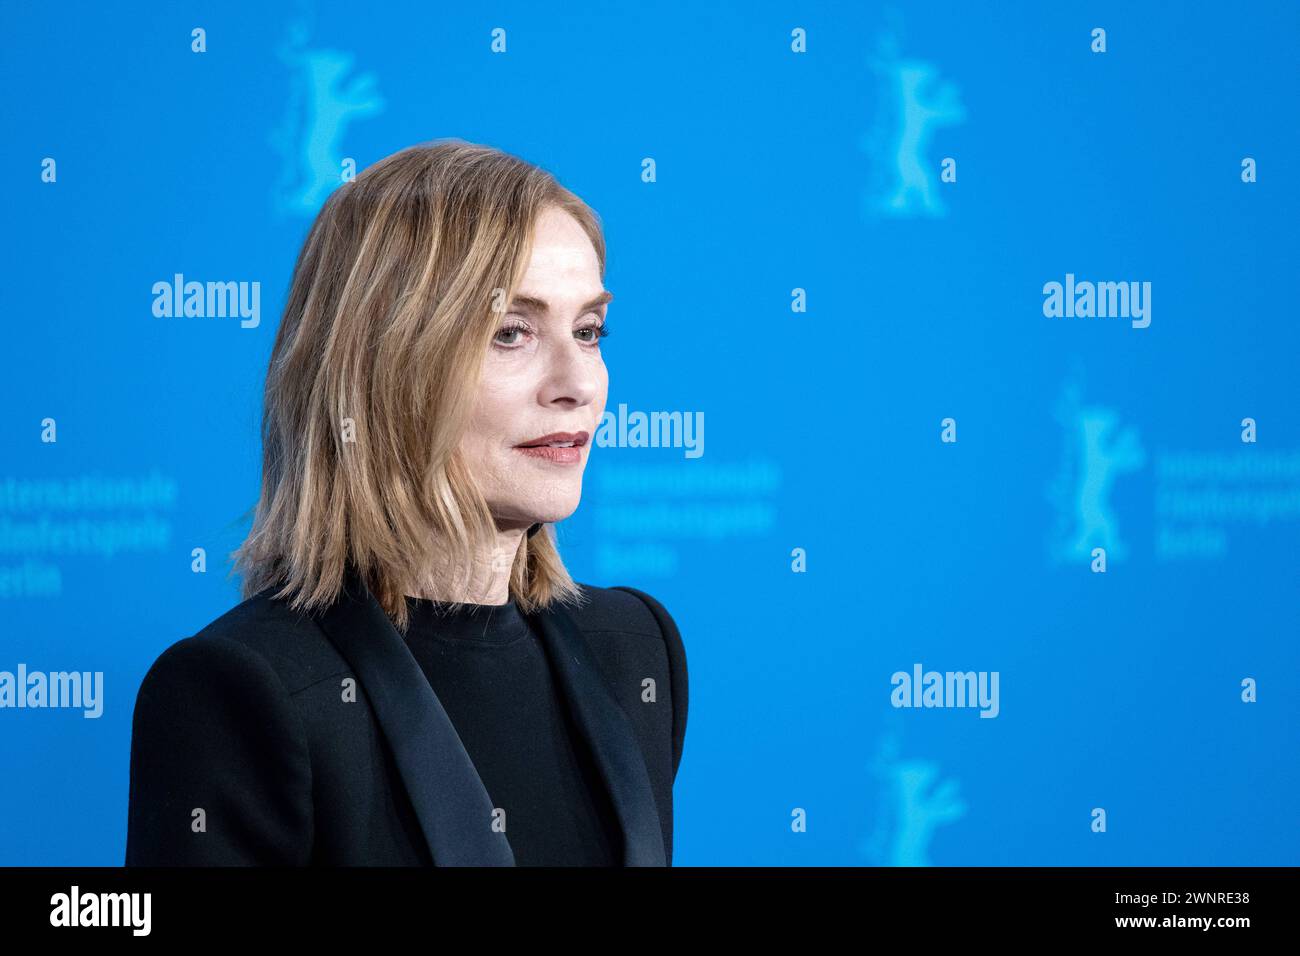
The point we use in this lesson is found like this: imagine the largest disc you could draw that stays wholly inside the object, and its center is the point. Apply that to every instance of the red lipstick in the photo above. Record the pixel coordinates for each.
(564, 448)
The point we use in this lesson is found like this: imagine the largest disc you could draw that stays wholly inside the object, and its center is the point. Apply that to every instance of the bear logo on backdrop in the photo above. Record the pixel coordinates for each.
(325, 97)
(912, 104)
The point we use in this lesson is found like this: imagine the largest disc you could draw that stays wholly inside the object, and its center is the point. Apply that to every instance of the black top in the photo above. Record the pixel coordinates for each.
(491, 675)
(276, 738)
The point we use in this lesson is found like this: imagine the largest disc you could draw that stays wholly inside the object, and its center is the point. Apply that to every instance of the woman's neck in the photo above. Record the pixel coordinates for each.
(490, 583)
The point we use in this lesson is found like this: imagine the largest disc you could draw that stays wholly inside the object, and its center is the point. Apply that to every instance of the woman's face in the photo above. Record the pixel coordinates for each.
(542, 374)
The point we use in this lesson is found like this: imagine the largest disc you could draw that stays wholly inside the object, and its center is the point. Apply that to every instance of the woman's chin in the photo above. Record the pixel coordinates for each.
(536, 513)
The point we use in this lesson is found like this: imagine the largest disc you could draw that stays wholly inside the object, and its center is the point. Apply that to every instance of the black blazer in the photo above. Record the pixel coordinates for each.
(249, 720)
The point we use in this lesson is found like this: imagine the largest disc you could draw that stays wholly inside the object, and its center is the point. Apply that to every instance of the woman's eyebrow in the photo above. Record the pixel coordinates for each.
(528, 303)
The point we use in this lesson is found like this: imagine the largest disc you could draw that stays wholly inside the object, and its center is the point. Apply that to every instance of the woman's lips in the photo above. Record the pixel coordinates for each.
(559, 454)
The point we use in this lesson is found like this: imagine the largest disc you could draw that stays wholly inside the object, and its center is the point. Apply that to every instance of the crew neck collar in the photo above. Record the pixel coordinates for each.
(460, 621)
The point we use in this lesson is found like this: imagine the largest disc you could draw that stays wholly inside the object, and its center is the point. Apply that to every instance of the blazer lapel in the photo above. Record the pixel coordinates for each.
(450, 801)
(445, 788)
(608, 734)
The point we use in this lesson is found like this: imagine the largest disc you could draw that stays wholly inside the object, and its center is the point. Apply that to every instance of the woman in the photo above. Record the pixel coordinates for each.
(413, 677)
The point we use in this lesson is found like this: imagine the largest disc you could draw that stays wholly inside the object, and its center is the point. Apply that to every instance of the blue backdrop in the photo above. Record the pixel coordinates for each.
(831, 228)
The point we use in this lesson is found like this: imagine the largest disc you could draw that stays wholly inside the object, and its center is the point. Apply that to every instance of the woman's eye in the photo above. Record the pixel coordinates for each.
(596, 332)
(510, 330)
(510, 336)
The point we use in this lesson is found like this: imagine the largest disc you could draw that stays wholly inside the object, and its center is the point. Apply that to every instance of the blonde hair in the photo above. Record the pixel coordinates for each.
(396, 295)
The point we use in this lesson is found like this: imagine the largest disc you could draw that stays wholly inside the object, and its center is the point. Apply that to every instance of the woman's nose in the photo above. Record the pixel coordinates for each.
(575, 374)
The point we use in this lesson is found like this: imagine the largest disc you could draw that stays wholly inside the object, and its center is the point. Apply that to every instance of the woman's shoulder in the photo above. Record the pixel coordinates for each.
(627, 609)
(261, 636)
(630, 610)
(633, 611)
(666, 626)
